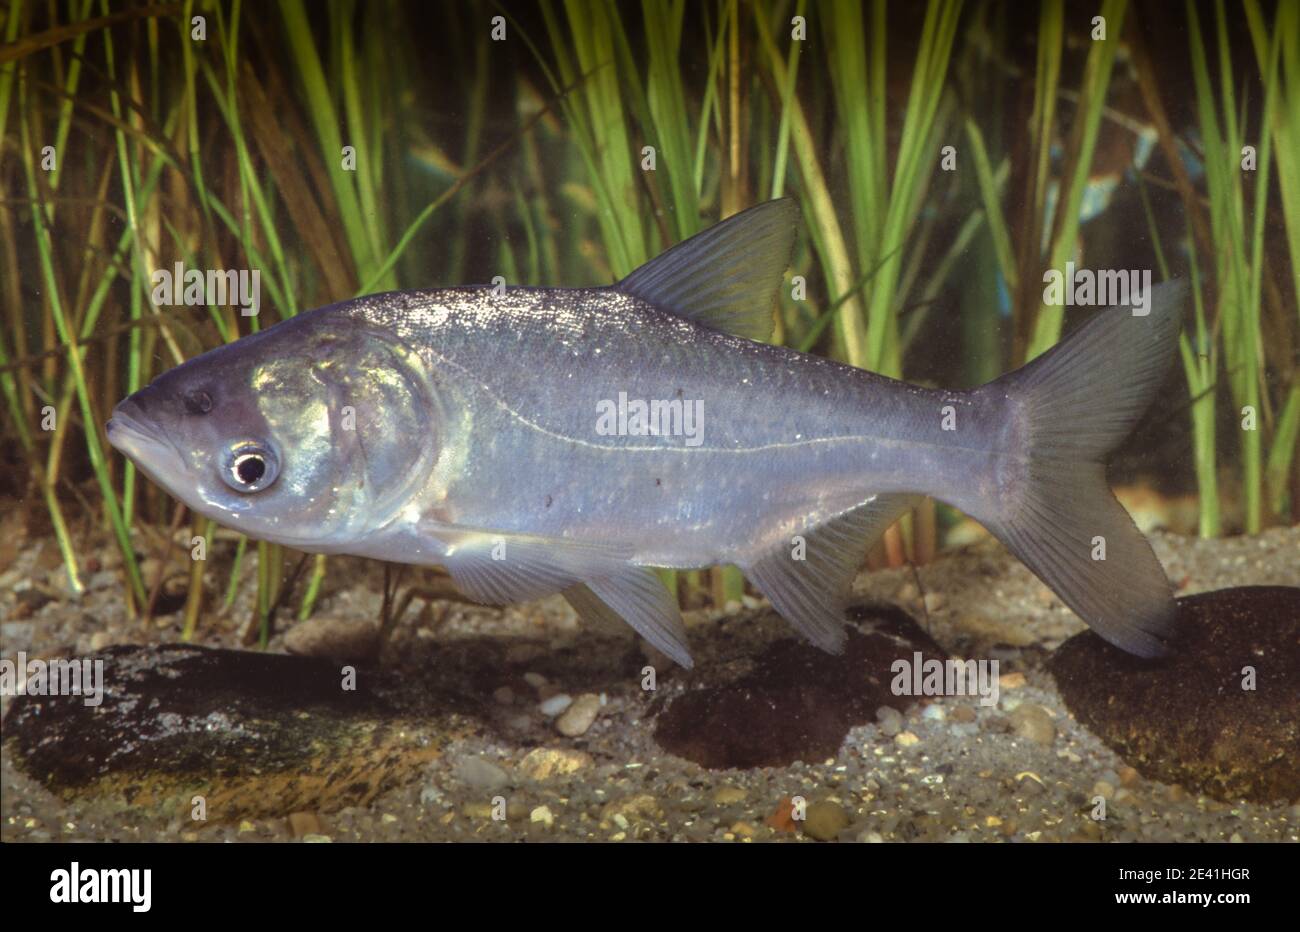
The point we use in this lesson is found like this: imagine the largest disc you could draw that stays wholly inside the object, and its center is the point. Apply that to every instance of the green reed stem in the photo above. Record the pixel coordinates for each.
(94, 448)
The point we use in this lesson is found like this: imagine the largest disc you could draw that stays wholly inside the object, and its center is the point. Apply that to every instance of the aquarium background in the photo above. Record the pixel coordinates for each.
(943, 155)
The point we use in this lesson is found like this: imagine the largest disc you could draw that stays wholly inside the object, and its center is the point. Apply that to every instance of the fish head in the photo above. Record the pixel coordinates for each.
(314, 433)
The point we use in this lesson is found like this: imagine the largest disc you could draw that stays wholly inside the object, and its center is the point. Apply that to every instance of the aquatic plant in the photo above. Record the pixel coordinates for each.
(349, 148)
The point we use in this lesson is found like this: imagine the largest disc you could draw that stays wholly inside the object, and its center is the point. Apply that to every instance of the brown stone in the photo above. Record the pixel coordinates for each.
(1187, 718)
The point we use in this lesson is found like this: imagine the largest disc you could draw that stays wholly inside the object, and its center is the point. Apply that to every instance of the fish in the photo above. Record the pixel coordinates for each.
(534, 441)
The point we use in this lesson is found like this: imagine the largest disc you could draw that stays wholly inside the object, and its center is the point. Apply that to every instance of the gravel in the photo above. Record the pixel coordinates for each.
(946, 769)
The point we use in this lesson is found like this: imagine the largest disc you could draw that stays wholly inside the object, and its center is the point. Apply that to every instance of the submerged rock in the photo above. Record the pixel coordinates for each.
(253, 734)
(1221, 715)
(799, 702)
(334, 639)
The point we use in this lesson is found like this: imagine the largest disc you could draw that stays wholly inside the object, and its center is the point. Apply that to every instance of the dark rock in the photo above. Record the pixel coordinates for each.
(1187, 719)
(798, 702)
(254, 734)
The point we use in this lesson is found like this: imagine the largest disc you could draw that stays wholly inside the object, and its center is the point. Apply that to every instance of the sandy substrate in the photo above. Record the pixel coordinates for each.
(945, 770)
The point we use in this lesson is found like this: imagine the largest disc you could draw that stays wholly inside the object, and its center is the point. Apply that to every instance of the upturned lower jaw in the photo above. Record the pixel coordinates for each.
(150, 454)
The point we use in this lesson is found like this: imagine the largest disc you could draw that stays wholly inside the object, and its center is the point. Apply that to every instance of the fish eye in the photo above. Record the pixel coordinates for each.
(249, 467)
(198, 402)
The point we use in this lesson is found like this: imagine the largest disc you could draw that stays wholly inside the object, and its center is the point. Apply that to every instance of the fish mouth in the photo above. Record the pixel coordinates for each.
(152, 455)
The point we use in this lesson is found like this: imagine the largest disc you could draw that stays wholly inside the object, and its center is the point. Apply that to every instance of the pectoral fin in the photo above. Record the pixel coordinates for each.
(599, 580)
(500, 568)
(808, 582)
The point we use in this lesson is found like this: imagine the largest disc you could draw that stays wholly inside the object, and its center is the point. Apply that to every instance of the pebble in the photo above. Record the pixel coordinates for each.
(640, 808)
(334, 638)
(891, 721)
(543, 763)
(825, 820)
(302, 824)
(934, 713)
(906, 739)
(578, 717)
(504, 695)
(964, 714)
(542, 815)
(535, 680)
(555, 705)
(1102, 788)
(149, 568)
(1033, 723)
(728, 795)
(1030, 784)
(479, 774)
(317, 839)
(17, 635)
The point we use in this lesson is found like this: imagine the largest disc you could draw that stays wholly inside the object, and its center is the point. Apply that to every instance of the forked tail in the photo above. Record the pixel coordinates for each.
(1071, 407)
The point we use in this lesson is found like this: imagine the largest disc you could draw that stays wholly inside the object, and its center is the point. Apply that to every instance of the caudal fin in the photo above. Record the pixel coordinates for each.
(1071, 407)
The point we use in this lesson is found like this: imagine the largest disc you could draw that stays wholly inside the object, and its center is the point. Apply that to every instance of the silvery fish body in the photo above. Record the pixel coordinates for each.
(536, 441)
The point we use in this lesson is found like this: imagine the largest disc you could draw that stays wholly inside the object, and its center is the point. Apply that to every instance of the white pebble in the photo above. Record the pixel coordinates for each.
(555, 705)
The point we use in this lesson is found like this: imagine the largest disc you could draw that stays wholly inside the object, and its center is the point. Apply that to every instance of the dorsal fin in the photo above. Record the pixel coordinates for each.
(727, 276)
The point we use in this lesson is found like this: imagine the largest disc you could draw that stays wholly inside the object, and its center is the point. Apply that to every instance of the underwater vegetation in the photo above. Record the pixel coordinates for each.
(943, 156)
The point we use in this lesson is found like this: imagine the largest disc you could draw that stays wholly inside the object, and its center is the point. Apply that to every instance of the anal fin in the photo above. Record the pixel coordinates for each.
(810, 593)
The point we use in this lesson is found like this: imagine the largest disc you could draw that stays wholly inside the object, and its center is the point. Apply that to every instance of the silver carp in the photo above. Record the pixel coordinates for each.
(535, 441)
